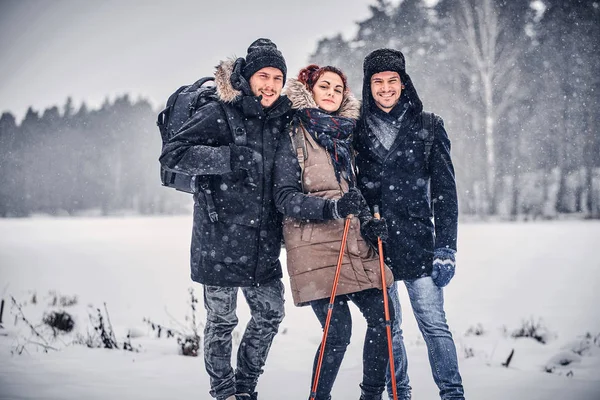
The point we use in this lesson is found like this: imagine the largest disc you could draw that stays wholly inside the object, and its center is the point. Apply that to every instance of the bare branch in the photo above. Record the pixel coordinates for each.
(112, 332)
(24, 319)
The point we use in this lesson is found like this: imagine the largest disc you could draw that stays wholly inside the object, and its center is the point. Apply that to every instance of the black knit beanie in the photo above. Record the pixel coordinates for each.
(263, 53)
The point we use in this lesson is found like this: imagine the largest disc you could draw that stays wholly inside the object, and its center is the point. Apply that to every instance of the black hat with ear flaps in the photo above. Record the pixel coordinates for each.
(381, 60)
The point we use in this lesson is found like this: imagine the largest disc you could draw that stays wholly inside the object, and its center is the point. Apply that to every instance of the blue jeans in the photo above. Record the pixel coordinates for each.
(427, 301)
(375, 349)
(266, 308)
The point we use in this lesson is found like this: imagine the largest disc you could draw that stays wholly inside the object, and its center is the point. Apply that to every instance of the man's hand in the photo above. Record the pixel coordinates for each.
(444, 264)
(372, 229)
(245, 159)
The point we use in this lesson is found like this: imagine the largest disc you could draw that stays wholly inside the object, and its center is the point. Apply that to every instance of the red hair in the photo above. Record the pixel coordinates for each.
(310, 75)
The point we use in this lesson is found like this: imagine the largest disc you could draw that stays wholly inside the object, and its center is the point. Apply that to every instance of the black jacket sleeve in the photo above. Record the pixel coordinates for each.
(287, 190)
(443, 190)
(201, 146)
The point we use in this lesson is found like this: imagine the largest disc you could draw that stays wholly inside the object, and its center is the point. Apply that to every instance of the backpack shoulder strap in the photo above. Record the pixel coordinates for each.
(238, 130)
(236, 124)
(429, 134)
(299, 145)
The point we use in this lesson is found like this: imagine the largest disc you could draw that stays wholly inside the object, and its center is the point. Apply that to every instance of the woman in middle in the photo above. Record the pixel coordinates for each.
(315, 189)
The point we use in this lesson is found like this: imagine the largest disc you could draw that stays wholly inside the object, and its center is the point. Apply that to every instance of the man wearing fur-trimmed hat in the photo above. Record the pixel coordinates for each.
(405, 168)
(236, 238)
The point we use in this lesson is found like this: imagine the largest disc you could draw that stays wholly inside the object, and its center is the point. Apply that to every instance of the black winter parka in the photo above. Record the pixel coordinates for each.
(242, 248)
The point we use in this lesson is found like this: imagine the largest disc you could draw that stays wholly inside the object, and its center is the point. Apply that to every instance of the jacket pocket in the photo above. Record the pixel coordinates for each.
(236, 202)
(306, 229)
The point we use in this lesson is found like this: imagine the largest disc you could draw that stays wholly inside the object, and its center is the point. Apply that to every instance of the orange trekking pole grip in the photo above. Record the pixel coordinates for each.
(338, 268)
(388, 327)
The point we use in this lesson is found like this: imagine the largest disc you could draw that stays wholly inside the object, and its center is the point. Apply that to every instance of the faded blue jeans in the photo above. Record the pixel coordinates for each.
(267, 311)
(427, 301)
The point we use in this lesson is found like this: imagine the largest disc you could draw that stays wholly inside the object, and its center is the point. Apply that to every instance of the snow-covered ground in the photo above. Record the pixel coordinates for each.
(506, 273)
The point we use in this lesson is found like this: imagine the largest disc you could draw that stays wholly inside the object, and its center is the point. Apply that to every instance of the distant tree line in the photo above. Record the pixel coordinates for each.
(68, 162)
(518, 85)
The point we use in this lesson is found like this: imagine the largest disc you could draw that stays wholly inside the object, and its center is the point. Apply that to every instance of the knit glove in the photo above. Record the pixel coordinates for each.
(350, 203)
(372, 228)
(245, 159)
(443, 266)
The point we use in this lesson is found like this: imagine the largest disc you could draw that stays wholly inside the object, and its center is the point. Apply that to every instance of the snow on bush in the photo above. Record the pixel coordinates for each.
(59, 321)
(535, 330)
(573, 352)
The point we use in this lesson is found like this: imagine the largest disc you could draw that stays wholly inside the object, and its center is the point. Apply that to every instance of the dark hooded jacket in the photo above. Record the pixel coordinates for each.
(408, 190)
(242, 248)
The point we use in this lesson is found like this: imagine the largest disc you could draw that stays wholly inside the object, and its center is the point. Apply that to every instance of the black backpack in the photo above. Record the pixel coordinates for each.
(181, 106)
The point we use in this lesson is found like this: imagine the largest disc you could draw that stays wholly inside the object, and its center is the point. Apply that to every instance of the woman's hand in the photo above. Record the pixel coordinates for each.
(350, 203)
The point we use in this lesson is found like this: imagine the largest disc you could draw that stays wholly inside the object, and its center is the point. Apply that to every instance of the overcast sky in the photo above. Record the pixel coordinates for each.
(53, 49)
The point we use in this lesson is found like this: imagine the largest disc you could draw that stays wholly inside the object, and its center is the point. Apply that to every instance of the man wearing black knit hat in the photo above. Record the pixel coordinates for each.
(405, 168)
(229, 145)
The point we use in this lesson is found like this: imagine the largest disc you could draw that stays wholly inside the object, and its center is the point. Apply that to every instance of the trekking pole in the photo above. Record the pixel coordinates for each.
(386, 308)
(338, 268)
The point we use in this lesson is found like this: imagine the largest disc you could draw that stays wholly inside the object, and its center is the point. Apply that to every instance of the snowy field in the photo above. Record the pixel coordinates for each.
(507, 273)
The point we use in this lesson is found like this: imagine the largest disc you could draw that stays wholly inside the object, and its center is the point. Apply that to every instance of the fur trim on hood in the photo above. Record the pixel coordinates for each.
(301, 98)
(225, 89)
